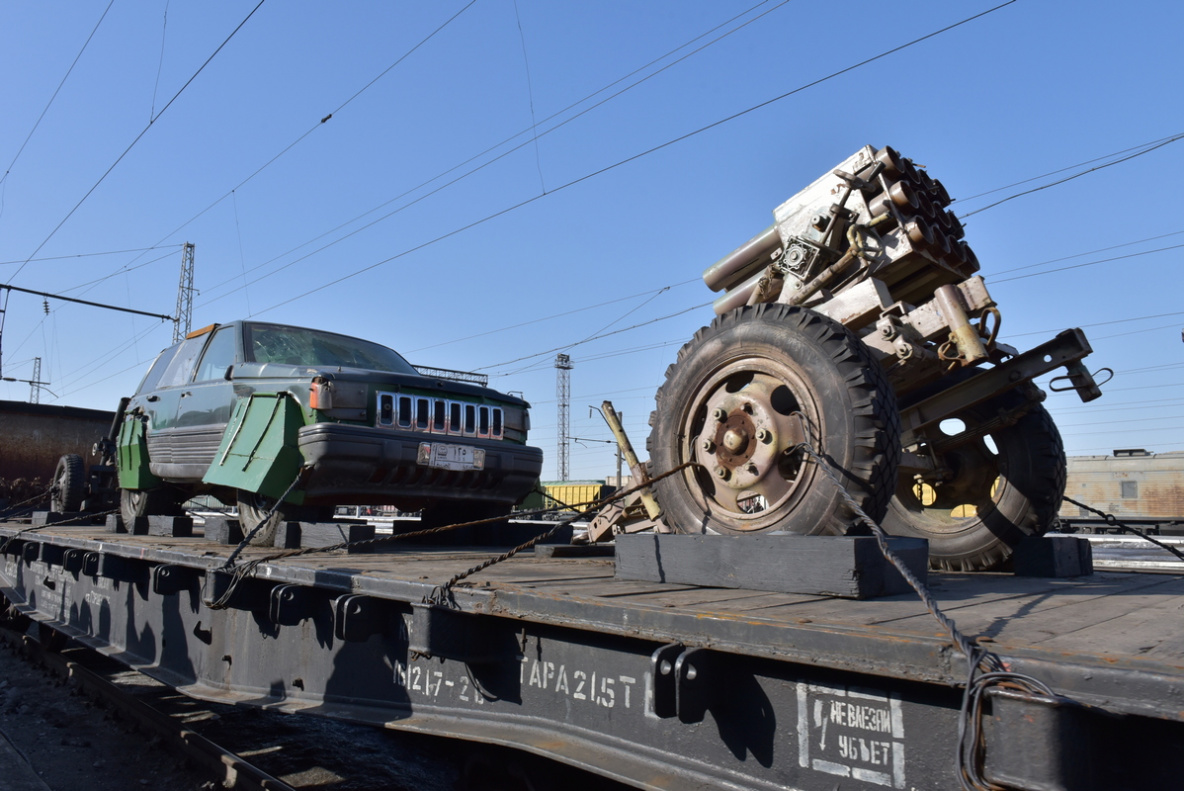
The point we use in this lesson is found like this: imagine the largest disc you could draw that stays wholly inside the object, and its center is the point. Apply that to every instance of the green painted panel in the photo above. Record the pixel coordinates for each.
(132, 456)
(259, 451)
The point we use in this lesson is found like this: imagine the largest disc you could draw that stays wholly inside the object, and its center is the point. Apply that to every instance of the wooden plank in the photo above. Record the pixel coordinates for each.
(850, 567)
(304, 535)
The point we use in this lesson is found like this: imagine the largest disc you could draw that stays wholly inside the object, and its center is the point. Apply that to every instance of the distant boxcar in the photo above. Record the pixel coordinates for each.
(1130, 483)
(562, 494)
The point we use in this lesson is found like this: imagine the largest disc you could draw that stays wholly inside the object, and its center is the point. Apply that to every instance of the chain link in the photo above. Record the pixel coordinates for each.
(985, 668)
(10, 511)
(80, 518)
(1112, 520)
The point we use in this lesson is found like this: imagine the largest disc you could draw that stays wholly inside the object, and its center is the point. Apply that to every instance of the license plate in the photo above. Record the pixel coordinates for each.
(451, 457)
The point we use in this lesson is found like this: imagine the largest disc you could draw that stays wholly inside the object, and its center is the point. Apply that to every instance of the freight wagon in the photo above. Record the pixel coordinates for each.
(562, 494)
(1138, 487)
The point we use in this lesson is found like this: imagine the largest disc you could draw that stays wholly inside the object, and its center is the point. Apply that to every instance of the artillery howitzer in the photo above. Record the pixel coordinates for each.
(855, 324)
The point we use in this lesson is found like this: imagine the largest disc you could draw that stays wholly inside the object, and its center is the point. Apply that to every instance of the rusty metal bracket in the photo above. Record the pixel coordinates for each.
(640, 476)
(1065, 349)
(1081, 380)
(683, 683)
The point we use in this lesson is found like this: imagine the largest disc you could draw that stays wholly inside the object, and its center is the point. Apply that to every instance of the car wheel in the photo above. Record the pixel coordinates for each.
(253, 510)
(147, 502)
(68, 484)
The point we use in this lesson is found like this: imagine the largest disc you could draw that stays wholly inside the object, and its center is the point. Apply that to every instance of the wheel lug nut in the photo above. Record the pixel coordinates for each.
(722, 473)
(763, 435)
(707, 445)
(719, 414)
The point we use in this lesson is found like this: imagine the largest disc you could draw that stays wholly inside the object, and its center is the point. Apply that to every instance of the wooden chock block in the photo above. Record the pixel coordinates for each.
(846, 566)
(1038, 556)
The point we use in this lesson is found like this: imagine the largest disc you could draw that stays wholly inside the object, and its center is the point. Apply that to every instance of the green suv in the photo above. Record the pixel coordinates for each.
(290, 422)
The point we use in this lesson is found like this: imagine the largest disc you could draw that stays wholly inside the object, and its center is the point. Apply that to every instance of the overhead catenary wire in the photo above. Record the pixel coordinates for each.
(506, 140)
(91, 255)
(56, 91)
(564, 314)
(647, 152)
(1086, 252)
(1142, 148)
(324, 119)
(137, 139)
(1088, 263)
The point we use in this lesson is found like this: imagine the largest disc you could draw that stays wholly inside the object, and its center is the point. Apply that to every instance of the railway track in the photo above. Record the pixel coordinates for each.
(192, 744)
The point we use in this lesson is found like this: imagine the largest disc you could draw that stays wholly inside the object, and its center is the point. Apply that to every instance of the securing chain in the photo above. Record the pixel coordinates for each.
(11, 511)
(80, 518)
(1112, 521)
(442, 594)
(262, 522)
(986, 669)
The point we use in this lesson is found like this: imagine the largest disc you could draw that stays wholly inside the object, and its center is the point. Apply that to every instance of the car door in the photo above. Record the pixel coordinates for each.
(205, 403)
(166, 440)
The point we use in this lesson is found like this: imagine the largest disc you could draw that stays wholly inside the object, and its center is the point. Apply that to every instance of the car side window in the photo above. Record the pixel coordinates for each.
(180, 370)
(157, 370)
(219, 356)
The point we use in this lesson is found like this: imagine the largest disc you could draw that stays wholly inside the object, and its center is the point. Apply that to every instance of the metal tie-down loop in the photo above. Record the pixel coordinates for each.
(986, 669)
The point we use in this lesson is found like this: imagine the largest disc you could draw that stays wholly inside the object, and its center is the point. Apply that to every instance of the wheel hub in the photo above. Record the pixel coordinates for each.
(738, 443)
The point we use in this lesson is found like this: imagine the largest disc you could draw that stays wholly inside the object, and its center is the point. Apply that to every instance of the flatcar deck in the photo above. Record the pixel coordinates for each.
(656, 684)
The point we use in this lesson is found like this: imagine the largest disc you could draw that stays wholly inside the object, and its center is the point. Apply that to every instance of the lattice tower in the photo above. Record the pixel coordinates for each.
(563, 368)
(183, 316)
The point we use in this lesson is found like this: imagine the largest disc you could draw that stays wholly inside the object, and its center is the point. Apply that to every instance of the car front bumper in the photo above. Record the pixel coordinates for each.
(370, 466)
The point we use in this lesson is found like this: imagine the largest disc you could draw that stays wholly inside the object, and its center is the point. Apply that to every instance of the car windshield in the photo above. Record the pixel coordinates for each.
(277, 343)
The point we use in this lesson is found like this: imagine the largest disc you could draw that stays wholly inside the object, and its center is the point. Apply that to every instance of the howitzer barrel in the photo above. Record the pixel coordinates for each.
(739, 296)
(735, 267)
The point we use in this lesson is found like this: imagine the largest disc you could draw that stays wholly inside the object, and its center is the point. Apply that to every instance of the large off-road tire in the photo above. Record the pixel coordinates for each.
(253, 507)
(741, 392)
(148, 502)
(69, 484)
(1000, 490)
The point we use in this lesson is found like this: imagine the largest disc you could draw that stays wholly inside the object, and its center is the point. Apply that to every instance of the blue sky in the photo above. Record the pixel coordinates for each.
(372, 224)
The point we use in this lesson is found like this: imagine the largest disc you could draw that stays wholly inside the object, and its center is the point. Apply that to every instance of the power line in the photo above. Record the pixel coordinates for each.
(84, 287)
(137, 139)
(55, 95)
(494, 147)
(1101, 324)
(1162, 140)
(640, 155)
(593, 338)
(1157, 145)
(91, 255)
(1088, 263)
(564, 314)
(315, 127)
(1088, 252)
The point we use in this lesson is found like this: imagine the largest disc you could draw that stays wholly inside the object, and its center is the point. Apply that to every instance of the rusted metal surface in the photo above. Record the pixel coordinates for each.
(34, 436)
(656, 684)
(1130, 483)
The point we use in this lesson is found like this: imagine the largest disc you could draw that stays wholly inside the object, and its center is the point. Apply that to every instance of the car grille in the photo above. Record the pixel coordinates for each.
(439, 416)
